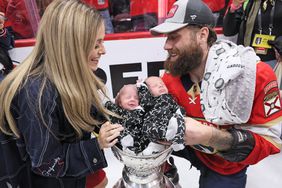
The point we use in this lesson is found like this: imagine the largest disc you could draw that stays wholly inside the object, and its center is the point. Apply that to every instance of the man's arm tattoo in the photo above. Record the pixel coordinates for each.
(220, 140)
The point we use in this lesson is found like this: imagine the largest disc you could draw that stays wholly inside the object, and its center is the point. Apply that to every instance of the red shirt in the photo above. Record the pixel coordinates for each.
(140, 7)
(215, 5)
(95, 178)
(98, 4)
(261, 116)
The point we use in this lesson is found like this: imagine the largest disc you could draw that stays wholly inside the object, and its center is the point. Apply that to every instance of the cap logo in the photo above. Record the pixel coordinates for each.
(193, 17)
(172, 11)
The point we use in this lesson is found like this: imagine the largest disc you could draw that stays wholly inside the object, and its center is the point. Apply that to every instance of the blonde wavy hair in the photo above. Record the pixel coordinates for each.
(66, 35)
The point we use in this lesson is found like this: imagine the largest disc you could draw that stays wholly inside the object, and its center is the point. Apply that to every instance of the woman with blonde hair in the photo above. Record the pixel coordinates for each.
(50, 104)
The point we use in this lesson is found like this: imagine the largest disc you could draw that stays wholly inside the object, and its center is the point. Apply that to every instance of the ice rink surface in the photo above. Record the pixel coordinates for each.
(267, 173)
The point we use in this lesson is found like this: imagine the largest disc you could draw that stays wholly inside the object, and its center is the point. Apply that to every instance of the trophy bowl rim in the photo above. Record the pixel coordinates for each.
(116, 149)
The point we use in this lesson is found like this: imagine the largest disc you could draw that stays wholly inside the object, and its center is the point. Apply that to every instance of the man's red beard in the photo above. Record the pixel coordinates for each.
(189, 59)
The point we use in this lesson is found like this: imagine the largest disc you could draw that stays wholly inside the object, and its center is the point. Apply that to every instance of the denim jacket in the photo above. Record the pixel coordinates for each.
(48, 155)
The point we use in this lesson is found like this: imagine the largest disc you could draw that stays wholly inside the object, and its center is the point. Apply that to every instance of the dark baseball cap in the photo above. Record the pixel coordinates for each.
(183, 13)
(277, 44)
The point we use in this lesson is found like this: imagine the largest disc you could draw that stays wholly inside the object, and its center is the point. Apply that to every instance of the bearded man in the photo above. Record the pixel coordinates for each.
(231, 98)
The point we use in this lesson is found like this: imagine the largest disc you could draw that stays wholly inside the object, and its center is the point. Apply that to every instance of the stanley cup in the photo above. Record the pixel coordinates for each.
(142, 171)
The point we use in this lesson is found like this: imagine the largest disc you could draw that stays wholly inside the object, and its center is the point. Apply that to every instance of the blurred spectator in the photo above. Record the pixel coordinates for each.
(255, 21)
(6, 39)
(6, 64)
(103, 7)
(23, 16)
(222, 13)
(6, 43)
(144, 13)
(277, 45)
(120, 12)
(216, 6)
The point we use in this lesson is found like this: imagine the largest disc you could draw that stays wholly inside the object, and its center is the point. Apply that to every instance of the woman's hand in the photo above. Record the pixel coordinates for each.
(108, 134)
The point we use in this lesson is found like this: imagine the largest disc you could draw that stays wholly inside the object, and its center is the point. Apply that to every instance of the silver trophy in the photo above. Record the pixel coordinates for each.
(142, 171)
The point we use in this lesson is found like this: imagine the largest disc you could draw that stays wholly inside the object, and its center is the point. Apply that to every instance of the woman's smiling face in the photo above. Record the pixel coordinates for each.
(98, 50)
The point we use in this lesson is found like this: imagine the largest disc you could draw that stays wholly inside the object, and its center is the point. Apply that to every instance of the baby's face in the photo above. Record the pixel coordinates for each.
(129, 99)
(156, 86)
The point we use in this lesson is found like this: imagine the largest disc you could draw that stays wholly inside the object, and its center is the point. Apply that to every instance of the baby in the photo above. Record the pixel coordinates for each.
(156, 117)
(131, 117)
(163, 118)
